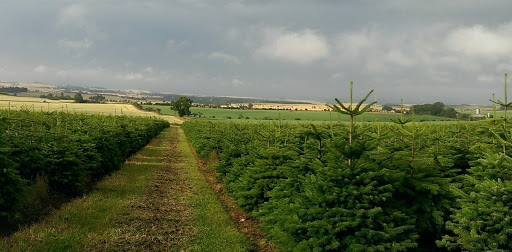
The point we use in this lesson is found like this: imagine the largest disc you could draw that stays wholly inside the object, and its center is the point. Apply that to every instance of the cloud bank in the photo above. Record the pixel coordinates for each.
(455, 51)
(301, 47)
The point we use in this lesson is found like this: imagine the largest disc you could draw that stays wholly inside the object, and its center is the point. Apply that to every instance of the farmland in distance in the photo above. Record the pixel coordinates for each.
(238, 115)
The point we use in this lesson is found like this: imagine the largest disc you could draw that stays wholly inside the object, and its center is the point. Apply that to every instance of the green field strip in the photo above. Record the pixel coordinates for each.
(216, 230)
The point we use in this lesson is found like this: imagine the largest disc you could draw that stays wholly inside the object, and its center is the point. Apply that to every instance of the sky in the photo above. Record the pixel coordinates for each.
(455, 51)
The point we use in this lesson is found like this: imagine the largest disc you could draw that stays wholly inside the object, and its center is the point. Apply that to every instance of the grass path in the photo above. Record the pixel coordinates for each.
(157, 201)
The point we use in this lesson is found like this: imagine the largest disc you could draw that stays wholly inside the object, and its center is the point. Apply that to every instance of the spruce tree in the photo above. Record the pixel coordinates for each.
(11, 184)
(483, 222)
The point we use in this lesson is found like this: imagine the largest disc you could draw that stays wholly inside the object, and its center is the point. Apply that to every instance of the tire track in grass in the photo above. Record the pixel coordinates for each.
(215, 229)
(157, 201)
(161, 219)
(245, 223)
(87, 223)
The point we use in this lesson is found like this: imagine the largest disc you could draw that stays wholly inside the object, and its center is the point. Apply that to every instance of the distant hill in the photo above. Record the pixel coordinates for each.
(153, 96)
(139, 95)
(214, 100)
(220, 100)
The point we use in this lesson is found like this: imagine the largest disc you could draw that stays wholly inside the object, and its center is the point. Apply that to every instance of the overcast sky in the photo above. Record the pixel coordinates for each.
(423, 51)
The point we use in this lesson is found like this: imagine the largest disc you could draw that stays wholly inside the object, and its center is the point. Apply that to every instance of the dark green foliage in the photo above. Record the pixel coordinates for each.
(387, 108)
(182, 106)
(11, 184)
(78, 98)
(293, 177)
(483, 222)
(400, 186)
(449, 112)
(297, 179)
(11, 187)
(97, 98)
(50, 96)
(13, 89)
(369, 187)
(339, 207)
(70, 150)
(256, 179)
(436, 109)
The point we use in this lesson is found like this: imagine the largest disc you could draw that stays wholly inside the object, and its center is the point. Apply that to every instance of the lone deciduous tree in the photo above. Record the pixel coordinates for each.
(387, 107)
(78, 98)
(182, 106)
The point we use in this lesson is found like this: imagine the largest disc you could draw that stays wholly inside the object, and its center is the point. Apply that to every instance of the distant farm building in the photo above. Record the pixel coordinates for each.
(479, 116)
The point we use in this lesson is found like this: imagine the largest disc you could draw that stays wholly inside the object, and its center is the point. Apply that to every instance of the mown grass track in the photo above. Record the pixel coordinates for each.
(157, 201)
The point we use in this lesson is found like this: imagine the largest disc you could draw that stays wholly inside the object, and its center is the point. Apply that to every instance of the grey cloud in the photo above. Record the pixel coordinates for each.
(453, 51)
(482, 41)
(302, 47)
(224, 57)
(75, 44)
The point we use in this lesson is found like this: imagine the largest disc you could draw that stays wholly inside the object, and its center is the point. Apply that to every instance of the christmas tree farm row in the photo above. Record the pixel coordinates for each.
(66, 151)
(399, 186)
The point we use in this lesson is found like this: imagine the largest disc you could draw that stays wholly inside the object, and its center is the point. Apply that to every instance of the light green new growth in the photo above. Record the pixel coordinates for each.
(401, 120)
(506, 105)
(494, 106)
(352, 112)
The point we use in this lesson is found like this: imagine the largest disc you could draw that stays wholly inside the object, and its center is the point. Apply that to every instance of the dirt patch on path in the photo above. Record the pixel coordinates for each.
(160, 219)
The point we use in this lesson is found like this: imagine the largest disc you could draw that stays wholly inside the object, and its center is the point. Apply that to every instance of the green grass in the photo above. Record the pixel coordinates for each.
(84, 222)
(500, 113)
(218, 232)
(288, 115)
(102, 220)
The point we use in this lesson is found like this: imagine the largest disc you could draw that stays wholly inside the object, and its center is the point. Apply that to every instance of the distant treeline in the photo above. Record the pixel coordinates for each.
(210, 100)
(226, 100)
(436, 109)
(56, 97)
(150, 109)
(78, 98)
(13, 89)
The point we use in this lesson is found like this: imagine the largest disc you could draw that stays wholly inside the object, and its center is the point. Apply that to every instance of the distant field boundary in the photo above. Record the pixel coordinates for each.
(41, 104)
(287, 115)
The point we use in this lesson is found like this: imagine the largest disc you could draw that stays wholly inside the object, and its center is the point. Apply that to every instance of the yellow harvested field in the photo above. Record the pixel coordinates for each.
(310, 107)
(40, 104)
(300, 107)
